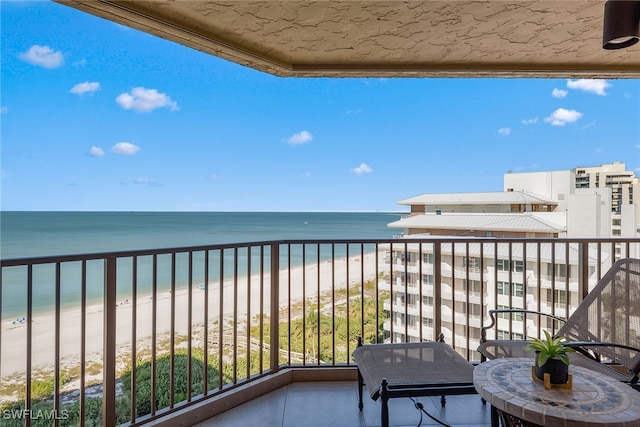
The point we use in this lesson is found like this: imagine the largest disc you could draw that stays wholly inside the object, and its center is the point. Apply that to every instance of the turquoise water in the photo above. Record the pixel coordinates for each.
(31, 234)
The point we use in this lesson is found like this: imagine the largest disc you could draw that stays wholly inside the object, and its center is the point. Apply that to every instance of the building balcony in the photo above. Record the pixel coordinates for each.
(213, 335)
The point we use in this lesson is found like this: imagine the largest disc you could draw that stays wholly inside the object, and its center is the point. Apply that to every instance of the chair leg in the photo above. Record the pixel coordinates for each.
(384, 412)
(360, 385)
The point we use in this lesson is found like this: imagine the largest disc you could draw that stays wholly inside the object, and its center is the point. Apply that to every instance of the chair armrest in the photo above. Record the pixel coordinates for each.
(575, 344)
(631, 362)
(483, 330)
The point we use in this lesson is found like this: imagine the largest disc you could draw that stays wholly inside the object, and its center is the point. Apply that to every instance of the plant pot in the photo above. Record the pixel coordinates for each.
(557, 370)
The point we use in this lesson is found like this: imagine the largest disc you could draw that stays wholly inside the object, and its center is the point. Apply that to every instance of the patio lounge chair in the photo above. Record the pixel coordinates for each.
(604, 329)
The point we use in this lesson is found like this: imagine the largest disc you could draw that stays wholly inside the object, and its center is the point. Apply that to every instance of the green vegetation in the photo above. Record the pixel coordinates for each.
(301, 335)
(353, 317)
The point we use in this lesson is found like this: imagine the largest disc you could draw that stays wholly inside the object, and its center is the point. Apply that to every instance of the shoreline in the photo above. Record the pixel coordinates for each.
(13, 336)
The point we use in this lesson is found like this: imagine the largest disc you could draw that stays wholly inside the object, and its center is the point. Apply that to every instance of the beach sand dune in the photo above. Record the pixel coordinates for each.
(246, 299)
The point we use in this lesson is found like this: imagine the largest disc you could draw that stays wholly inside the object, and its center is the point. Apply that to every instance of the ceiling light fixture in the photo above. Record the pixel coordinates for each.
(621, 24)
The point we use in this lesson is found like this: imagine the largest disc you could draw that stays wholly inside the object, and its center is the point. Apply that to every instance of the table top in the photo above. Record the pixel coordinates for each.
(594, 400)
(433, 363)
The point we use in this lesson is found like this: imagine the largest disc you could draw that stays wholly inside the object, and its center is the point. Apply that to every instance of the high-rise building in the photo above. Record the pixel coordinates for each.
(608, 193)
(477, 276)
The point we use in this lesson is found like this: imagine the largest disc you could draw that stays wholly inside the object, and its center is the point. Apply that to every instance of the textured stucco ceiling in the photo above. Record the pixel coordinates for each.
(470, 38)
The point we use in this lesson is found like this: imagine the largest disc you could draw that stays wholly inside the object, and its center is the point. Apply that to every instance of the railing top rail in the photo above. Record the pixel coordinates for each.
(407, 240)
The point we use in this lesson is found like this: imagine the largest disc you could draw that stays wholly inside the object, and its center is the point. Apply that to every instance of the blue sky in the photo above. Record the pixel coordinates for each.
(97, 116)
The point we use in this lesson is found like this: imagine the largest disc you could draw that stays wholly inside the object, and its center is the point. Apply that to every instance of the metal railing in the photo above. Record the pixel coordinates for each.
(130, 337)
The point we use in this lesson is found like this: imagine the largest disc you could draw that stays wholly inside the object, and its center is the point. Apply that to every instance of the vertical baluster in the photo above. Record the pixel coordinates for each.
(29, 349)
(134, 308)
(109, 347)
(56, 351)
(83, 341)
(275, 298)
(172, 338)
(189, 323)
(154, 325)
(248, 331)
(205, 331)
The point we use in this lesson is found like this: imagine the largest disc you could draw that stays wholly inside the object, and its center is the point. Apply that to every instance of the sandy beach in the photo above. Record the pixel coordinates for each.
(13, 338)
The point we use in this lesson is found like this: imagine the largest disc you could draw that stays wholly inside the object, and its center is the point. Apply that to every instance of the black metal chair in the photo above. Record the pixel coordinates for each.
(604, 329)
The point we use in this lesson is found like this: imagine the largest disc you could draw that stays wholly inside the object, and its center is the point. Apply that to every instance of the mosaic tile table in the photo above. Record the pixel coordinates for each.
(594, 400)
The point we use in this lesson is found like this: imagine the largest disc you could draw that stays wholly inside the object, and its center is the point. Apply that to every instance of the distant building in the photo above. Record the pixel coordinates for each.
(532, 205)
(600, 201)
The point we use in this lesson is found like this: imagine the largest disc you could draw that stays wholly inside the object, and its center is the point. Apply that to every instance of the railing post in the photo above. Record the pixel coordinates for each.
(274, 348)
(109, 347)
(437, 289)
(583, 275)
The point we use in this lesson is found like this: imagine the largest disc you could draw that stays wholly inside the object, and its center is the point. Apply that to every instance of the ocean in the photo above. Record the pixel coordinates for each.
(32, 234)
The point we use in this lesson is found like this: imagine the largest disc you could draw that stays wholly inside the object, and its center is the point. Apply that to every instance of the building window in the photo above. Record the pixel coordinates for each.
(428, 258)
(413, 280)
(518, 266)
(475, 287)
(518, 290)
(553, 324)
(560, 270)
(475, 310)
(503, 288)
(515, 316)
(413, 321)
(560, 296)
(473, 264)
(503, 265)
(461, 330)
(427, 301)
(412, 299)
(427, 279)
(461, 307)
(427, 322)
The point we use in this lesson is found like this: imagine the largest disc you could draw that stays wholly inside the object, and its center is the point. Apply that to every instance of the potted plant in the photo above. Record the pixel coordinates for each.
(551, 358)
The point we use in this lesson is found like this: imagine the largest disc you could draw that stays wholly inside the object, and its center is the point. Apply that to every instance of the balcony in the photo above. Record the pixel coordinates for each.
(211, 335)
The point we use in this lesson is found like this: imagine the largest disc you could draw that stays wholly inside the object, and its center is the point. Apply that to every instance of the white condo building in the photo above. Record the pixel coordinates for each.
(479, 276)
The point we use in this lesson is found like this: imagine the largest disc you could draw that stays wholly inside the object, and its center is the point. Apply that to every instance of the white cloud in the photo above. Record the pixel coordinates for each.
(532, 121)
(362, 169)
(589, 85)
(561, 117)
(125, 148)
(42, 56)
(504, 131)
(4, 109)
(96, 151)
(559, 93)
(86, 87)
(300, 138)
(146, 181)
(142, 99)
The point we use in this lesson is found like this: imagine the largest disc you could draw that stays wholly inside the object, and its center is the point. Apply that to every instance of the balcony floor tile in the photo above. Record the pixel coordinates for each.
(335, 403)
